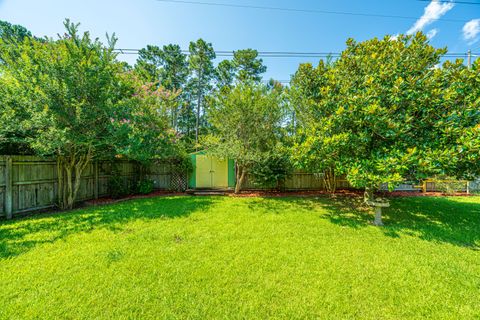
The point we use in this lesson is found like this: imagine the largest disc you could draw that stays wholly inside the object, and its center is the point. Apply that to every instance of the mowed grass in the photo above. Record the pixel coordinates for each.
(244, 258)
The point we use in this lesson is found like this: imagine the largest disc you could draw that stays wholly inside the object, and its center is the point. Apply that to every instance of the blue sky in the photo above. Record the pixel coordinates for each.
(141, 22)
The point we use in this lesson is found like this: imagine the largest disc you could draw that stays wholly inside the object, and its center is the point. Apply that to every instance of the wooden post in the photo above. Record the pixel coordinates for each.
(8, 188)
(95, 181)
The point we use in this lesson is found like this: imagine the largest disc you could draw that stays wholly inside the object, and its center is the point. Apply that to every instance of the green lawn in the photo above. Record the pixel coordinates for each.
(244, 258)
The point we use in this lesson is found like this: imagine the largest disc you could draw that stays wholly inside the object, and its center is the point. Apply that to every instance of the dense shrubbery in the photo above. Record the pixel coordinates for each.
(271, 171)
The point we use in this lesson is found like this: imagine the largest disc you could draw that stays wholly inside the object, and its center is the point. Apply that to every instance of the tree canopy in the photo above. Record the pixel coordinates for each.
(77, 103)
(384, 113)
(247, 124)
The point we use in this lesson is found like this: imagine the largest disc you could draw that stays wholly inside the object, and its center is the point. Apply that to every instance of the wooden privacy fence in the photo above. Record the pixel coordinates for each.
(297, 181)
(29, 183)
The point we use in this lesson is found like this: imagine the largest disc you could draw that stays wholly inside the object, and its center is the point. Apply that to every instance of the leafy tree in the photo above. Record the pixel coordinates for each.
(12, 32)
(246, 126)
(224, 74)
(140, 122)
(201, 65)
(167, 66)
(313, 99)
(12, 115)
(72, 95)
(379, 116)
(248, 66)
(149, 63)
(457, 129)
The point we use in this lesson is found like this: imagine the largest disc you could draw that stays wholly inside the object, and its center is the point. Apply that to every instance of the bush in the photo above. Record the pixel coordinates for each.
(271, 171)
(145, 186)
(117, 187)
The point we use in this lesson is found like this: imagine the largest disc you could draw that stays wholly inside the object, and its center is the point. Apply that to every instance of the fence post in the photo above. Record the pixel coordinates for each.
(95, 180)
(8, 187)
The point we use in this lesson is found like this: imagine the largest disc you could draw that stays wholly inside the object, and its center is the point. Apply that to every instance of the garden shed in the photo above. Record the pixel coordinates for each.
(211, 172)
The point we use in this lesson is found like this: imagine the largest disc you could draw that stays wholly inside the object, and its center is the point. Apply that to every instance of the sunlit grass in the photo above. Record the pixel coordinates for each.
(244, 258)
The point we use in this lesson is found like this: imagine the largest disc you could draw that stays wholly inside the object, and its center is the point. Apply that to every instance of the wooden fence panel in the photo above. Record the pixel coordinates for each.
(34, 181)
(161, 174)
(304, 181)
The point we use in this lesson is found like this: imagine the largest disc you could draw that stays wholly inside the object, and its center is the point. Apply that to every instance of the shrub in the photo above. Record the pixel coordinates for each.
(145, 186)
(117, 185)
(271, 171)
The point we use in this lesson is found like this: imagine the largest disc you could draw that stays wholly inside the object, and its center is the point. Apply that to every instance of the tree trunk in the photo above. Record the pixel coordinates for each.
(199, 104)
(197, 120)
(240, 178)
(70, 171)
(330, 180)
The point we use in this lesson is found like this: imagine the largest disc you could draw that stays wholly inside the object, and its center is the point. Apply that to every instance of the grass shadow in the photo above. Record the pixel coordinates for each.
(445, 220)
(20, 236)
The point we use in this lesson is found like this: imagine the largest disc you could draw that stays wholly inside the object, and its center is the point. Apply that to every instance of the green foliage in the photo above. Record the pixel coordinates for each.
(71, 98)
(117, 185)
(319, 257)
(182, 163)
(140, 124)
(246, 125)
(169, 68)
(201, 66)
(145, 186)
(13, 32)
(383, 112)
(225, 74)
(248, 66)
(271, 170)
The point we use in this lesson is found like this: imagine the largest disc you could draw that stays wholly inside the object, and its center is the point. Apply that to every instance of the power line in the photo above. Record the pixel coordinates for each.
(279, 54)
(263, 54)
(360, 14)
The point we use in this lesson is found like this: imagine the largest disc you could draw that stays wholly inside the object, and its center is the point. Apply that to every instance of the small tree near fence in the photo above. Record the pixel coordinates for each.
(246, 124)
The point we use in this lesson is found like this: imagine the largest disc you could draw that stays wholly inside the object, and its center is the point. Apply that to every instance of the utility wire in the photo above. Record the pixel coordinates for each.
(360, 14)
(279, 54)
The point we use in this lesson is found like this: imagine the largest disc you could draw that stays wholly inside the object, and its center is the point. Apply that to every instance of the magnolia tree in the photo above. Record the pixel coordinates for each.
(76, 102)
(246, 124)
(384, 112)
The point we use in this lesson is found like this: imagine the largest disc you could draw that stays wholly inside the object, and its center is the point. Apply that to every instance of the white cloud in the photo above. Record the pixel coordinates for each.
(471, 30)
(432, 33)
(434, 11)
